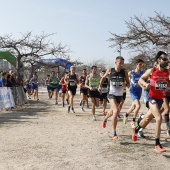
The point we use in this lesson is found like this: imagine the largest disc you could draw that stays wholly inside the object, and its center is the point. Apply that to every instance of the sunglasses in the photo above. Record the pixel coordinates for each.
(164, 59)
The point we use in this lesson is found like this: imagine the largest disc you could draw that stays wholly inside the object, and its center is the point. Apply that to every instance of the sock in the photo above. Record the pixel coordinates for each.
(157, 142)
(134, 119)
(137, 128)
(114, 132)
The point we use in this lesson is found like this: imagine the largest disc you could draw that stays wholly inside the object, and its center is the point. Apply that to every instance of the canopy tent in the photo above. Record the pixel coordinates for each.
(59, 61)
(9, 57)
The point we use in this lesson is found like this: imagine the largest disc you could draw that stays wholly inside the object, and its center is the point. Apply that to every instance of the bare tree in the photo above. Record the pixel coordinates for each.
(31, 47)
(145, 35)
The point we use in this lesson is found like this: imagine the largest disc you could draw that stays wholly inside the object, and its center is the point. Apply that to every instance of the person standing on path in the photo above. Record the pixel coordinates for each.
(83, 89)
(92, 83)
(117, 78)
(72, 80)
(135, 92)
(159, 81)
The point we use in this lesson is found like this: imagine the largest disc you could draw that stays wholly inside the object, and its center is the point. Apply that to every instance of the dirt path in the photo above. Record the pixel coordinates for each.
(43, 136)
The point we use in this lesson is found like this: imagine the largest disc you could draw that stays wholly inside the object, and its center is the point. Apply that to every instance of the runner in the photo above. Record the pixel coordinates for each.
(28, 88)
(63, 88)
(47, 83)
(104, 91)
(3, 79)
(117, 77)
(135, 92)
(54, 81)
(34, 83)
(83, 90)
(72, 80)
(92, 83)
(159, 80)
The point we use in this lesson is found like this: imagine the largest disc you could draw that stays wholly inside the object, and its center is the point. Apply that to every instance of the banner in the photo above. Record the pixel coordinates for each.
(6, 98)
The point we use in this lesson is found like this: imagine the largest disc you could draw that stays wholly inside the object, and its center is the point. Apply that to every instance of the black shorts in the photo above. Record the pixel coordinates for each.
(103, 96)
(64, 91)
(117, 98)
(53, 88)
(94, 94)
(84, 91)
(159, 102)
(124, 96)
(73, 90)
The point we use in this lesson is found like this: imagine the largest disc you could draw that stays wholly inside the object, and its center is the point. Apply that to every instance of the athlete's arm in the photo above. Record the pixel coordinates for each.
(77, 79)
(127, 79)
(87, 82)
(130, 74)
(144, 77)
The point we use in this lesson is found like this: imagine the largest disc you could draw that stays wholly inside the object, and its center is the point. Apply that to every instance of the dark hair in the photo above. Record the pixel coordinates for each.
(66, 72)
(139, 61)
(93, 67)
(84, 69)
(159, 54)
(48, 75)
(4, 73)
(120, 57)
(103, 71)
(53, 71)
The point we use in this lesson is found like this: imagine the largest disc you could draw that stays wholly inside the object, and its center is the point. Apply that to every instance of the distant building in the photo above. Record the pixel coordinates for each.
(5, 65)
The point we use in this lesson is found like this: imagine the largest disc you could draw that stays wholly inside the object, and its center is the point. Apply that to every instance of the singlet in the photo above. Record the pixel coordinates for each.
(94, 81)
(82, 80)
(72, 81)
(158, 81)
(116, 82)
(134, 86)
(46, 82)
(63, 86)
(55, 80)
(105, 86)
(34, 81)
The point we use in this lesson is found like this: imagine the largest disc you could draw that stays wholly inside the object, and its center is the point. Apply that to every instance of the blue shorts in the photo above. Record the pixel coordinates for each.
(34, 86)
(59, 87)
(135, 95)
(48, 88)
(28, 87)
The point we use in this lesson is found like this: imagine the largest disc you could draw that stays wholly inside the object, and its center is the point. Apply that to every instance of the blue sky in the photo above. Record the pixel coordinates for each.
(83, 25)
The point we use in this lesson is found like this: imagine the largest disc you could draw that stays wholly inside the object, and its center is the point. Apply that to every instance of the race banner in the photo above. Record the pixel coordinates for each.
(6, 98)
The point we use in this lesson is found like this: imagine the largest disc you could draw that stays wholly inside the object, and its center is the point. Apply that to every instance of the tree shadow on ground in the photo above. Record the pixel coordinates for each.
(23, 114)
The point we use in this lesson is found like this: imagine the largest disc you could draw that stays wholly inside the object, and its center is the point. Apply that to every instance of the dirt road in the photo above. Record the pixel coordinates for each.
(43, 136)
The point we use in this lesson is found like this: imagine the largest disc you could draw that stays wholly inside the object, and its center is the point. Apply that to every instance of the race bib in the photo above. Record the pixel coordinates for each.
(72, 83)
(160, 85)
(104, 89)
(117, 84)
(94, 86)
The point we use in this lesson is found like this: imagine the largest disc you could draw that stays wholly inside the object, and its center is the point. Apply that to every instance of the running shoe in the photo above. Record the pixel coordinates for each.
(104, 122)
(125, 118)
(104, 113)
(72, 111)
(115, 136)
(80, 102)
(82, 109)
(94, 118)
(68, 109)
(168, 128)
(134, 137)
(140, 134)
(159, 148)
(133, 124)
